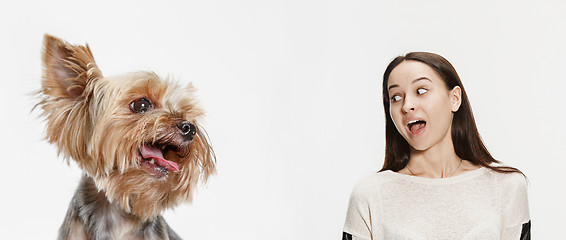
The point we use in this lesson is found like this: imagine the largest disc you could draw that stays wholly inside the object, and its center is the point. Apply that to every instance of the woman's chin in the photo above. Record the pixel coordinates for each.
(419, 146)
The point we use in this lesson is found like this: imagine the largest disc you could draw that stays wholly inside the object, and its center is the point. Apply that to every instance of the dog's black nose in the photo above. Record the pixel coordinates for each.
(187, 129)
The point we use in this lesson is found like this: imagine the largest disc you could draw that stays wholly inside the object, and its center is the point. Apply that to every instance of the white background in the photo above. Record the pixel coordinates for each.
(292, 91)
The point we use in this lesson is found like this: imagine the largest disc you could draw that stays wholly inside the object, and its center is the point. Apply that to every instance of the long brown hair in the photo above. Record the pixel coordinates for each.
(465, 136)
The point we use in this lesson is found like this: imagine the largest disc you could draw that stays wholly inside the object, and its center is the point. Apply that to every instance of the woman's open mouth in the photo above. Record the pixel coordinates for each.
(416, 126)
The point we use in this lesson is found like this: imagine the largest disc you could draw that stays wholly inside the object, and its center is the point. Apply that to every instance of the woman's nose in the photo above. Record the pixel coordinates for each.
(408, 105)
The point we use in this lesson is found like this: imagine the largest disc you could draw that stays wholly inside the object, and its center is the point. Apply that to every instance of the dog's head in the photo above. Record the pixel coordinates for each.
(137, 135)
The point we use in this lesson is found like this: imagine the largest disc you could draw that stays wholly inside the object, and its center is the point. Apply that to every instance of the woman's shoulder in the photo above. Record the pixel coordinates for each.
(512, 193)
(509, 184)
(373, 182)
(508, 178)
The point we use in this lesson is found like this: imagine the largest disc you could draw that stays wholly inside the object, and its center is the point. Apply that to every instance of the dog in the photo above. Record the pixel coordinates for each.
(136, 137)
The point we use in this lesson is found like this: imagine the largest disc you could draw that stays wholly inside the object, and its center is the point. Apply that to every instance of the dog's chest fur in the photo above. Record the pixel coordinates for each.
(91, 216)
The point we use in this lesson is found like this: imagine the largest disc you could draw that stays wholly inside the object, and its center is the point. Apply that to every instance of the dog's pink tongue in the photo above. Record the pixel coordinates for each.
(157, 156)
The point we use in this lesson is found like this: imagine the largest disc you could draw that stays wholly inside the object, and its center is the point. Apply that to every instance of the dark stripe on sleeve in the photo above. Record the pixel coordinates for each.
(346, 236)
(526, 232)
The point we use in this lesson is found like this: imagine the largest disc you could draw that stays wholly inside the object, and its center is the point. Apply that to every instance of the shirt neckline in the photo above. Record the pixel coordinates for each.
(426, 180)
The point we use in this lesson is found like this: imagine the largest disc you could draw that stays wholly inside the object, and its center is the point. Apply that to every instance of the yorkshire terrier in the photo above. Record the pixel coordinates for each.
(136, 137)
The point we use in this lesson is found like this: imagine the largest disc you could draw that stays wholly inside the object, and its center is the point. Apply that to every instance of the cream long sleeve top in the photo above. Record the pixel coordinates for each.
(480, 204)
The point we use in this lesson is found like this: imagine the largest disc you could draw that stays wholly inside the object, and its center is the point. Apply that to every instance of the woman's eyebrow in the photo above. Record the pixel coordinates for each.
(420, 79)
(393, 86)
(414, 81)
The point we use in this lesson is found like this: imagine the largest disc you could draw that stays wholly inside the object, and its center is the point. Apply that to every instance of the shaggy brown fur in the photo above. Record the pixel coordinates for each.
(97, 122)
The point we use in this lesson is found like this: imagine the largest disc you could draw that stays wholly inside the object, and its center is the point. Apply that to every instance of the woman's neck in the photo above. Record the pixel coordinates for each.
(425, 164)
(438, 161)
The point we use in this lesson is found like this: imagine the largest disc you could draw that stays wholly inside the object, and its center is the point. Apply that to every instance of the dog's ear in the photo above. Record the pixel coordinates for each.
(67, 69)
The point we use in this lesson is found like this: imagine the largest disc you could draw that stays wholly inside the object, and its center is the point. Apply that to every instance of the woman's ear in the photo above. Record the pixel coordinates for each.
(456, 98)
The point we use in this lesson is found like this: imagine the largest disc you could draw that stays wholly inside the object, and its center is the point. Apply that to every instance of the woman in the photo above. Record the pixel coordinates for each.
(438, 180)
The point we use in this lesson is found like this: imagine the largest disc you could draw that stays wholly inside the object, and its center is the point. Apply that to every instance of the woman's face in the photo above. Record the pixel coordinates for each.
(421, 106)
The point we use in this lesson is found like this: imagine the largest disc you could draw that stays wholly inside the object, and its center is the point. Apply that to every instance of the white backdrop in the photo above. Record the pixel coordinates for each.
(292, 91)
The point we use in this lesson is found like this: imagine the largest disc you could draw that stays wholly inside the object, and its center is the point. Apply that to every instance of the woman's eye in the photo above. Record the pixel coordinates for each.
(141, 105)
(421, 91)
(396, 98)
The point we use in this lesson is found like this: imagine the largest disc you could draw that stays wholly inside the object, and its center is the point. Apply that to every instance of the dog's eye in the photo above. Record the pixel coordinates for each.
(141, 105)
